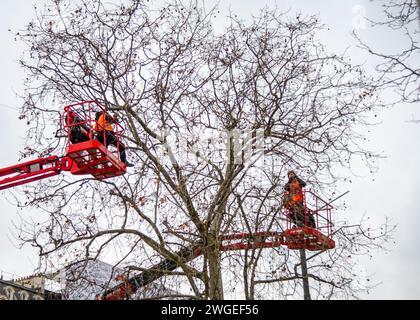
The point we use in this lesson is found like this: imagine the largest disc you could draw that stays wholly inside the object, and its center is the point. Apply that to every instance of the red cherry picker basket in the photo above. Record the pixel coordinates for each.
(85, 154)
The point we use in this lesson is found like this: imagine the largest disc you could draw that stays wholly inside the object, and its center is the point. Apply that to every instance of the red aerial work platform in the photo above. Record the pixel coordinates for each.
(314, 234)
(313, 231)
(85, 155)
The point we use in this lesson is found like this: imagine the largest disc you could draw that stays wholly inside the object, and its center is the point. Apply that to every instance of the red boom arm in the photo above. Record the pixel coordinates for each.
(33, 170)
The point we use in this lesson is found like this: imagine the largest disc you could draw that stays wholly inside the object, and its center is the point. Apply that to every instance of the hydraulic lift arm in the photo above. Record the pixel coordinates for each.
(33, 170)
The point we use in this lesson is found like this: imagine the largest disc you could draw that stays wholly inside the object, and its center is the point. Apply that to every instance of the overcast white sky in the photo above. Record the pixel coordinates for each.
(393, 192)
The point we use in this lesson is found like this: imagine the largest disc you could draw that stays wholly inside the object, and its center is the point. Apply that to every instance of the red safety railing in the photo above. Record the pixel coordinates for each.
(313, 212)
(308, 223)
(82, 116)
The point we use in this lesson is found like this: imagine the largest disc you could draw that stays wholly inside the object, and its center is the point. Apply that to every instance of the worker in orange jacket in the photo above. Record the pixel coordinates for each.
(106, 135)
(293, 201)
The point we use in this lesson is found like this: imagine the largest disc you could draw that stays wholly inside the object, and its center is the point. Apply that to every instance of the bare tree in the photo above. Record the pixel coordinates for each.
(213, 123)
(399, 68)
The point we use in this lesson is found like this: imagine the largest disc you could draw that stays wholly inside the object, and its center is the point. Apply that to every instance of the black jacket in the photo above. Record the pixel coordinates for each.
(287, 185)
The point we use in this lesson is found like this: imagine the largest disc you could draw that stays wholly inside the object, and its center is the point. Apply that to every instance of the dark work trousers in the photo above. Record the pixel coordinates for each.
(297, 213)
(79, 134)
(110, 139)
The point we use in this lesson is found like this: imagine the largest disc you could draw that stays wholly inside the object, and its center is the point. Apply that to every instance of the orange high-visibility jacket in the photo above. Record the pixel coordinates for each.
(294, 187)
(103, 123)
(296, 191)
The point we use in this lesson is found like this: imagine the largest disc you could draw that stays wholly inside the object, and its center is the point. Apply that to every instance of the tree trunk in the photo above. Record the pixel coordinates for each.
(306, 292)
(215, 273)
